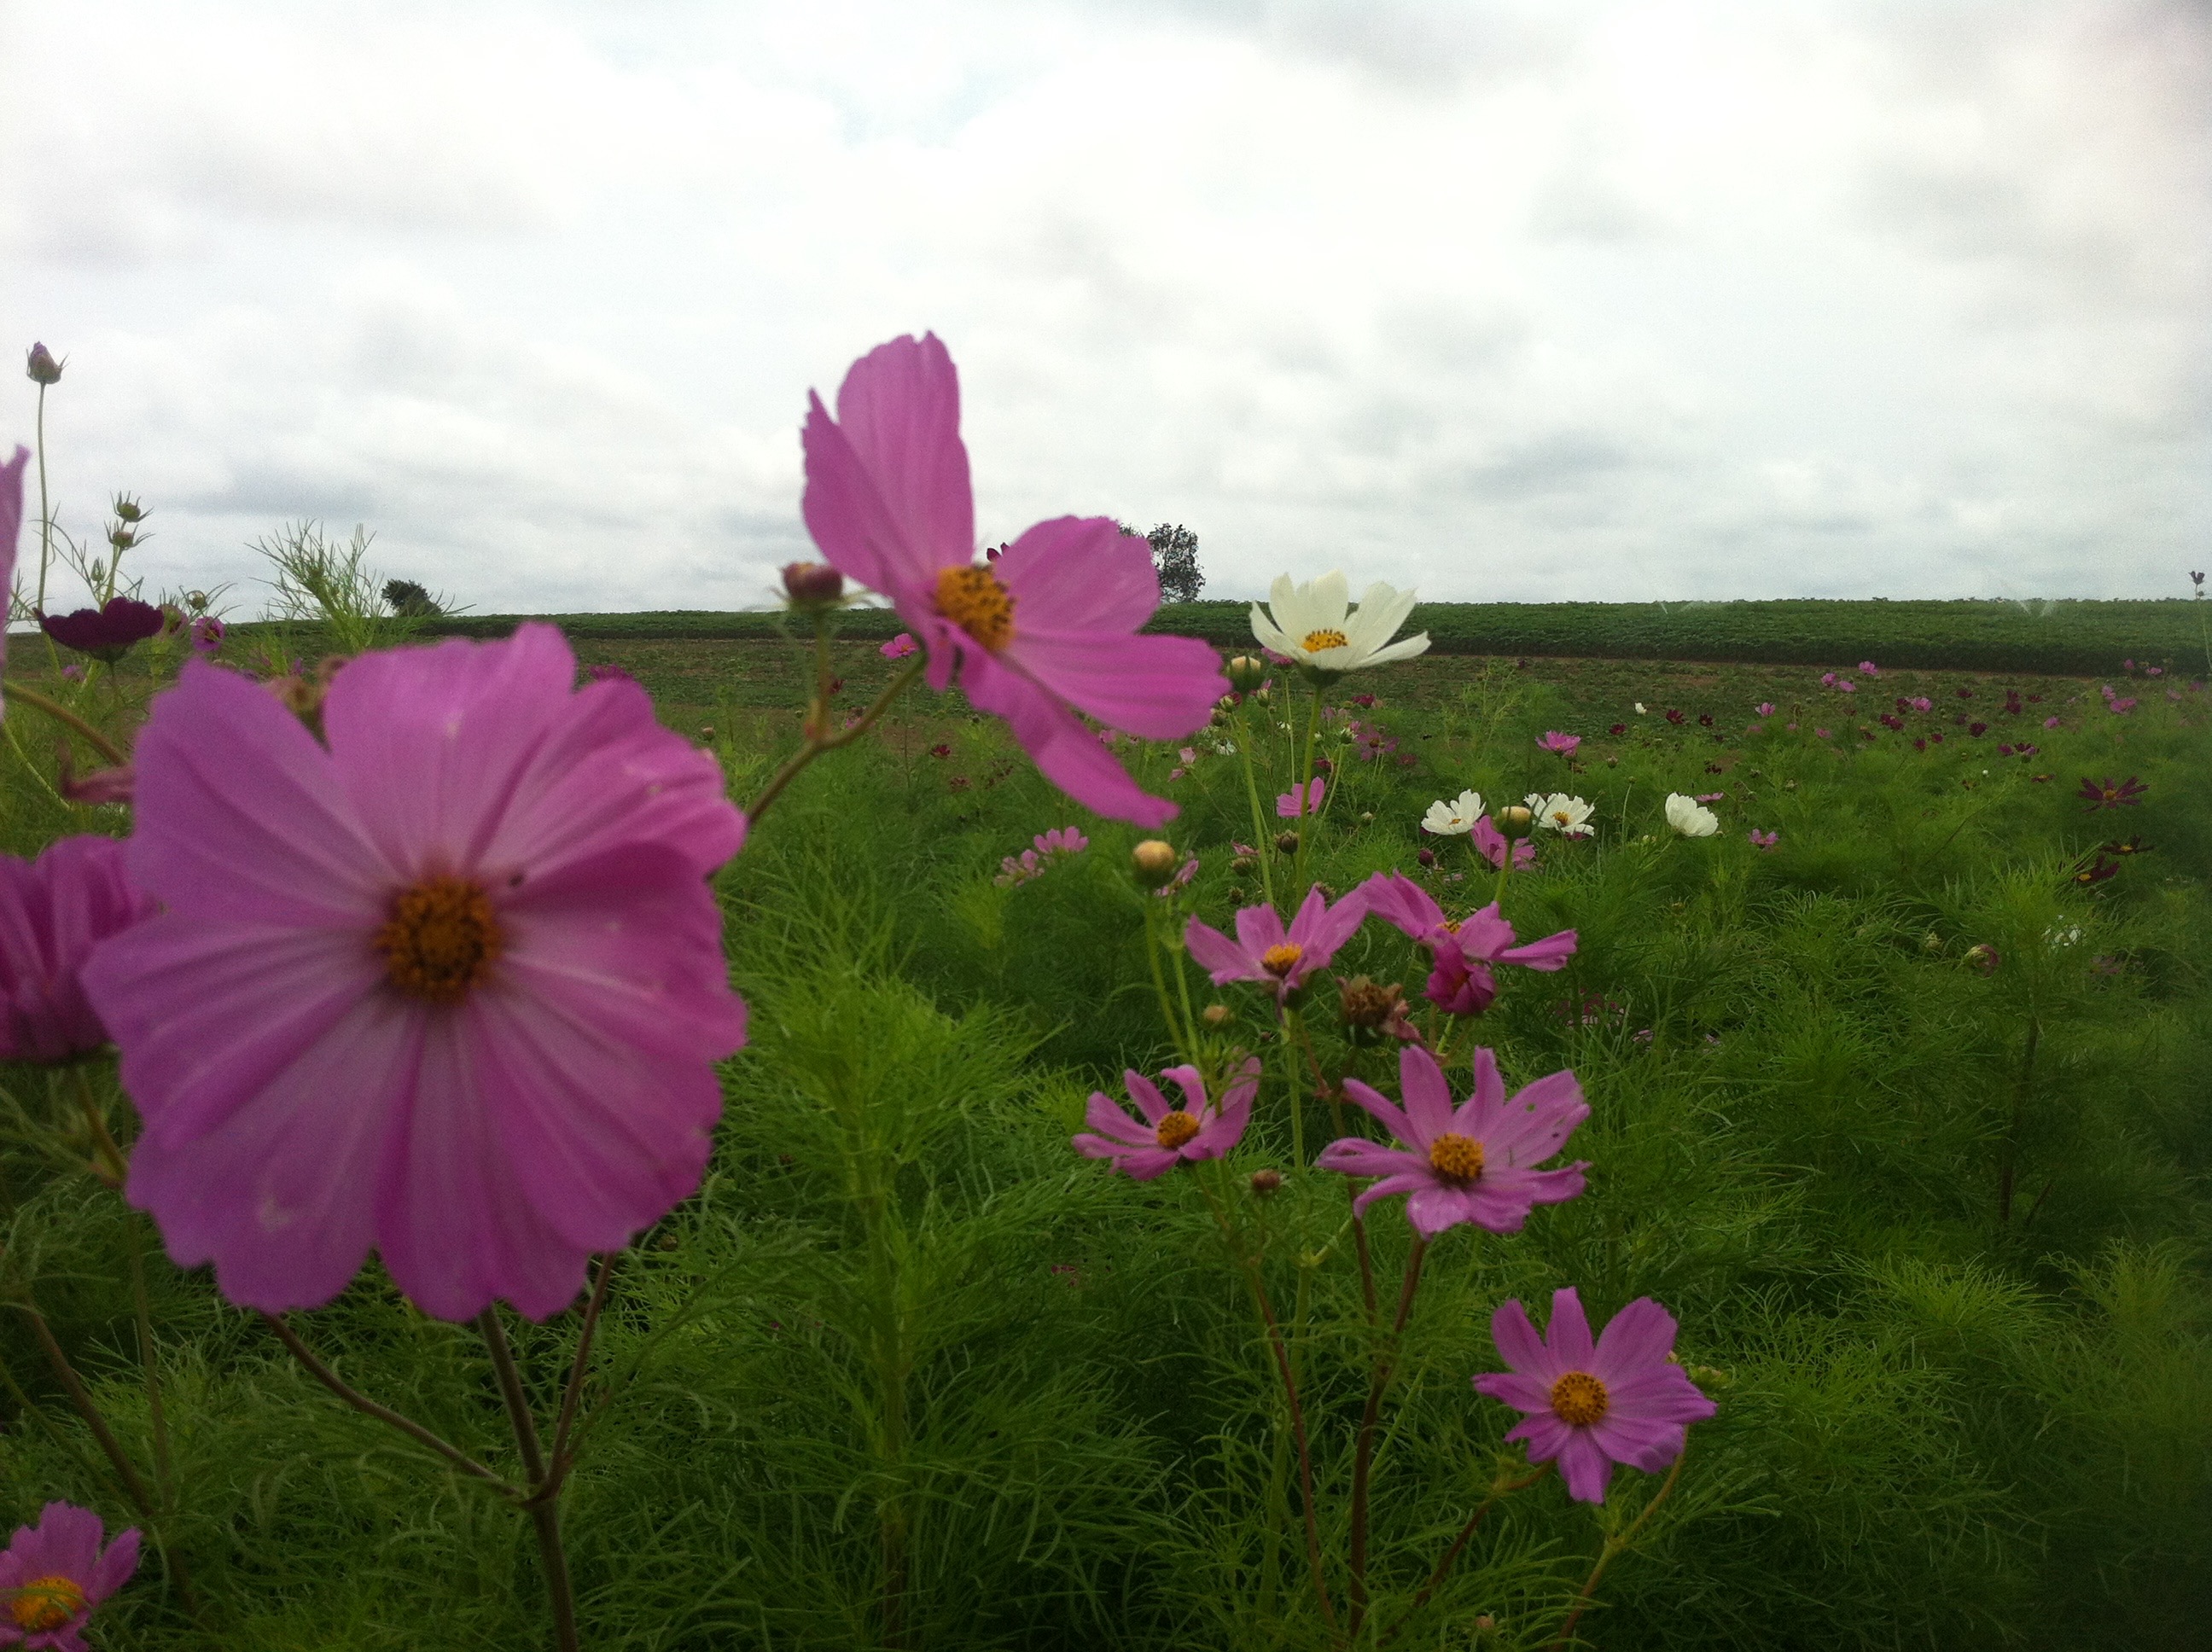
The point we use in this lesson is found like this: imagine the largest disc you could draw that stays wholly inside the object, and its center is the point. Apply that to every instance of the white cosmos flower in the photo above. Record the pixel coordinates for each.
(1449, 819)
(1312, 624)
(1689, 817)
(1558, 812)
(1639, 708)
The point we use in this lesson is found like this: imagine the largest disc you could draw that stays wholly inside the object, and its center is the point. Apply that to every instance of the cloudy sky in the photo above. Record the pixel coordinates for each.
(1510, 300)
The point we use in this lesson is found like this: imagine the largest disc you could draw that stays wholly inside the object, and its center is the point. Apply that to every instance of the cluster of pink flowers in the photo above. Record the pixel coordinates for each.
(1036, 860)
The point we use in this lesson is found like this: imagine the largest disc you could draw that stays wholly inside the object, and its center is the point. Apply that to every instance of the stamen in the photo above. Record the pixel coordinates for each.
(45, 1603)
(1579, 1400)
(442, 939)
(1280, 961)
(1456, 1158)
(972, 599)
(1315, 641)
(1175, 1129)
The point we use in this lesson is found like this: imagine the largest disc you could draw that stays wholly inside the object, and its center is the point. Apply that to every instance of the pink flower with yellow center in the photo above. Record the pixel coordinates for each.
(1622, 1400)
(1167, 1136)
(1473, 1163)
(1264, 950)
(54, 1575)
(447, 984)
(1045, 628)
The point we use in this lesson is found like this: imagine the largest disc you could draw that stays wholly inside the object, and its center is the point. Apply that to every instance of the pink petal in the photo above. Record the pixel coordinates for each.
(1410, 1181)
(1665, 1395)
(1214, 952)
(1435, 1207)
(1381, 1107)
(1522, 1348)
(1478, 1114)
(1548, 953)
(1536, 1123)
(888, 496)
(1546, 1434)
(1498, 1206)
(1527, 1394)
(114, 1567)
(1351, 1155)
(1649, 1446)
(1322, 929)
(1068, 754)
(1146, 1095)
(1114, 1125)
(1639, 1337)
(1148, 1163)
(1259, 927)
(1584, 1466)
(1428, 1096)
(1569, 1333)
(1485, 934)
(1158, 688)
(1078, 574)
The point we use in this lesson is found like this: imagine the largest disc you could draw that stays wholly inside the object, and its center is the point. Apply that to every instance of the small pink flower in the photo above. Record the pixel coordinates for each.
(1827, 679)
(1168, 1136)
(1763, 839)
(1710, 796)
(1846, 686)
(1922, 702)
(1561, 744)
(1064, 839)
(1620, 1401)
(1286, 805)
(1049, 628)
(1489, 843)
(1764, 708)
(1461, 983)
(207, 635)
(1868, 668)
(1473, 1163)
(1264, 952)
(1822, 732)
(899, 647)
(2050, 722)
(54, 1575)
(1188, 756)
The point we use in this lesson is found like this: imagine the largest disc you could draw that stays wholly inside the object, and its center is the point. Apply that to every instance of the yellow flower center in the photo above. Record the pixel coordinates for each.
(1175, 1129)
(1564, 817)
(442, 939)
(972, 599)
(45, 1603)
(1579, 1400)
(1280, 961)
(1315, 641)
(1456, 1158)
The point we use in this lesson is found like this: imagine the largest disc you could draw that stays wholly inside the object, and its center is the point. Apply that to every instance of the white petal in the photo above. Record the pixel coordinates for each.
(1409, 649)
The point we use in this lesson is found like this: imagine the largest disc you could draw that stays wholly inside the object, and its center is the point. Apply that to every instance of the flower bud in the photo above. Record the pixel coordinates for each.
(1366, 1006)
(1287, 842)
(123, 536)
(1426, 857)
(1243, 865)
(197, 601)
(1983, 957)
(1514, 822)
(1215, 1015)
(706, 732)
(128, 509)
(41, 368)
(1266, 1183)
(1154, 862)
(1246, 673)
(813, 585)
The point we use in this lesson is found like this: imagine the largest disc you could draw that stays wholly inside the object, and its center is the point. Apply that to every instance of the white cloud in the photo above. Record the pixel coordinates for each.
(1631, 301)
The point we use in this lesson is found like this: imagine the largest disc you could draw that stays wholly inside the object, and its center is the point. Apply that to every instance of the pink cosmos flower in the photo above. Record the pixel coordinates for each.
(899, 647)
(1264, 952)
(11, 526)
(1168, 1136)
(1469, 1163)
(1286, 803)
(1764, 708)
(1461, 983)
(1563, 744)
(1922, 702)
(1844, 685)
(1062, 840)
(1489, 843)
(1763, 839)
(449, 983)
(54, 912)
(1047, 630)
(1622, 1400)
(1827, 679)
(207, 635)
(1868, 668)
(54, 1575)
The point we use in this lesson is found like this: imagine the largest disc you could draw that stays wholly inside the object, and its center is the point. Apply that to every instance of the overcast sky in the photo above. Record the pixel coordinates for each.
(1507, 302)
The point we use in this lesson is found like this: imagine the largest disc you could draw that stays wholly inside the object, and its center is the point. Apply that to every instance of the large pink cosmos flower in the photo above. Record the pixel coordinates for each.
(1468, 1164)
(1621, 1401)
(11, 526)
(53, 911)
(1169, 1136)
(1461, 983)
(1046, 629)
(54, 1575)
(1264, 952)
(452, 988)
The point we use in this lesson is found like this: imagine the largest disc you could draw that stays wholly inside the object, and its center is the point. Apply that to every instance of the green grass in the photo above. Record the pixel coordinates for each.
(901, 1305)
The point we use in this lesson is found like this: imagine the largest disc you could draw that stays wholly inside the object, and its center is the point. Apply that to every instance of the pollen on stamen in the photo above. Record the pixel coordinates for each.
(1278, 960)
(1456, 1158)
(1315, 641)
(1579, 1400)
(44, 1604)
(972, 599)
(442, 940)
(1174, 1130)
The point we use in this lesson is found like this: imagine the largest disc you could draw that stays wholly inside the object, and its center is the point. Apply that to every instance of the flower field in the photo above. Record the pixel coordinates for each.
(1054, 1137)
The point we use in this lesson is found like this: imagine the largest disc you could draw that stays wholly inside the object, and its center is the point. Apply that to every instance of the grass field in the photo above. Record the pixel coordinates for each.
(909, 1371)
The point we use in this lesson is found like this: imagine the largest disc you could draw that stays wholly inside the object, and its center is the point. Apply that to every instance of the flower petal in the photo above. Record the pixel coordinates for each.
(1068, 754)
(1428, 1095)
(1639, 1337)
(1113, 1125)
(1381, 1107)
(1354, 1155)
(887, 494)
(1520, 1347)
(1160, 688)
(1222, 959)
(1584, 1466)
(1569, 1333)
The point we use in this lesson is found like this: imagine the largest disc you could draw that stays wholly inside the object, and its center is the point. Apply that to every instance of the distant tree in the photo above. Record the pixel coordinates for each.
(1174, 555)
(406, 598)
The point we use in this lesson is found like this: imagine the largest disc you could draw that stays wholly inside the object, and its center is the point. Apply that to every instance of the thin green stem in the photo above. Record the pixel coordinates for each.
(1290, 1078)
(68, 719)
(45, 510)
(164, 1473)
(1153, 944)
(1363, 1452)
(572, 1396)
(1305, 786)
(543, 1501)
(81, 1397)
(1263, 843)
(821, 741)
(1614, 1545)
(1499, 1490)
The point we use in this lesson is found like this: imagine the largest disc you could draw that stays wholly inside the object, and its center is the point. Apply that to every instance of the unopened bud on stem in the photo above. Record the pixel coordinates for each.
(1515, 822)
(1246, 673)
(813, 585)
(1154, 862)
(41, 368)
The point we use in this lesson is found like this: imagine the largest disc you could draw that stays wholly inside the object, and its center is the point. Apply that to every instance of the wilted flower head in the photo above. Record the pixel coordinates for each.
(813, 585)
(1047, 629)
(1470, 1163)
(1689, 817)
(54, 912)
(1450, 819)
(1558, 812)
(448, 983)
(54, 1575)
(1621, 1400)
(1265, 951)
(1167, 1136)
(107, 633)
(1313, 625)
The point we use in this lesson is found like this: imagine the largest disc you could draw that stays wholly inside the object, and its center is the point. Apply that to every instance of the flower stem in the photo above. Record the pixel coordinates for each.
(1290, 1078)
(1261, 844)
(1153, 944)
(819, 741)
(1364, 1454)
(2022, 1090)
(81, 1397)
(1614, 1545)
(572, 1396)
(1305, 786)
(68, 719)
(543, 1501)
(1499, 1489)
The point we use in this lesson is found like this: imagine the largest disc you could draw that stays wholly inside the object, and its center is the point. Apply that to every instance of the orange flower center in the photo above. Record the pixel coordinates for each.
(1175, 1129)
(1456, 1158)
(45, 1603)
(972, 599)
(442, 939)
(1315, 641)
(1579, 1400)
(1280, 961)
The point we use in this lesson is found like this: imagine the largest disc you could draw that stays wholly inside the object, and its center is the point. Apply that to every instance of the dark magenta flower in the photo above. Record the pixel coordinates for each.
(2108, 794)
(1046, 629)
(448, 983)
(1265, 951)
(1621, 1400)
(1473, 1163)
(1167, 1136)
(2097, 872)
(107, 633)
(1617, 728)
(54, 912)
(54, 1575)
